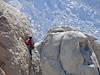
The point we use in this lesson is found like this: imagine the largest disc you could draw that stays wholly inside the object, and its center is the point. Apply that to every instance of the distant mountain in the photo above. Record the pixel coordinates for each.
(43, 14)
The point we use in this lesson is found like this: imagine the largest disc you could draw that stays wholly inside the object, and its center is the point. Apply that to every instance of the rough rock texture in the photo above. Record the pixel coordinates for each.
(35, 63)
(60, 53)
(96, 48)
(14, 57)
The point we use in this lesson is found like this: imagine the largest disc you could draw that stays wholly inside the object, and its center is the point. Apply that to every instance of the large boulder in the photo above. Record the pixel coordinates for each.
(14, 56)
(61, 54)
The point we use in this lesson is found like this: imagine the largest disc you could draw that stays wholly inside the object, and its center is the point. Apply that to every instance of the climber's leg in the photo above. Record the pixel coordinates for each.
(30, 50)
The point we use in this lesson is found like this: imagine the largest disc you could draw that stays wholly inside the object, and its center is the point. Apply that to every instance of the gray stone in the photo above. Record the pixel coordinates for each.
(60, 53)
(14, 57)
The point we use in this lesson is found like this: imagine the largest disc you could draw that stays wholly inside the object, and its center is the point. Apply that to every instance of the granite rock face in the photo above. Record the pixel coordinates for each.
(14, 57)
(61, 53)
(96, 48)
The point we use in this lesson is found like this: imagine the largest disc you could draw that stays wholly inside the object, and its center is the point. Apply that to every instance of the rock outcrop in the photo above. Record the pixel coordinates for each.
(14, 57)
(62, 52)
(96, 47)
(67, 52)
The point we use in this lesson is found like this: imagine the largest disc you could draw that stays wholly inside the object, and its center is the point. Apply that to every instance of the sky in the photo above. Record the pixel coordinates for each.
(44, 14)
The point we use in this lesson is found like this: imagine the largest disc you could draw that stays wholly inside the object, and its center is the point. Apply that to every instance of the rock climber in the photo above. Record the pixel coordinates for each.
(30, 44)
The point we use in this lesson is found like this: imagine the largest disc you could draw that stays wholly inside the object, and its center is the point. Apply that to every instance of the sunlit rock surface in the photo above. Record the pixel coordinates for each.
(96, 47)
(60, 53)
(14, 57)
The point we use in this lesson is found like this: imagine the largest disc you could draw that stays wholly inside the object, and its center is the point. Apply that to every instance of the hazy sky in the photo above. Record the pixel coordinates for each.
(82, 14)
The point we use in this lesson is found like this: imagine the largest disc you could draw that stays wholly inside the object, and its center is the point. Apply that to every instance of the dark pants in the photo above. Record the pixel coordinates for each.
(30, 49)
